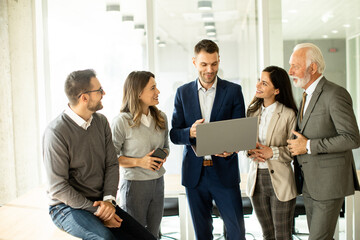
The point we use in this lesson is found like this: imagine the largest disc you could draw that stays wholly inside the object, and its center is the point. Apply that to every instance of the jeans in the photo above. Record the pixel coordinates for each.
(83, 224)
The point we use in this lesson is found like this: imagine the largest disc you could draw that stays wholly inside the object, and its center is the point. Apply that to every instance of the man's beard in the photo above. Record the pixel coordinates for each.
(206, 80)
(95, 108)
(301, 82)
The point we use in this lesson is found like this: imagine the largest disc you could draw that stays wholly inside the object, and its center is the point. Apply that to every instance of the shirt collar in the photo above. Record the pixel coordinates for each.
(146, 119)
(199, 86)
(310, 90)
(270, 108)
(77, 119)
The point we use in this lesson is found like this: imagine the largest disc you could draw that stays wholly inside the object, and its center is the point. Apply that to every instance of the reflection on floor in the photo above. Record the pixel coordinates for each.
(170, 227)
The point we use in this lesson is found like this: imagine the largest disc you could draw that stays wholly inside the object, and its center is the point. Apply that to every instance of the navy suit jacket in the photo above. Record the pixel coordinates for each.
(228, 104)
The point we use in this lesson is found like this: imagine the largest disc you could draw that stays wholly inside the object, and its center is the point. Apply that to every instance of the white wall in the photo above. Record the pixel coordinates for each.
(19, 142)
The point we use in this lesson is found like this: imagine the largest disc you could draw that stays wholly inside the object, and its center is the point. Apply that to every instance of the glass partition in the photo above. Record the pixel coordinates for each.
(90, 34)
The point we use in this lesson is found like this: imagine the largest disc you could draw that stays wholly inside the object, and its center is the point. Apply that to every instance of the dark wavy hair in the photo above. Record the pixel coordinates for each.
(280, 79)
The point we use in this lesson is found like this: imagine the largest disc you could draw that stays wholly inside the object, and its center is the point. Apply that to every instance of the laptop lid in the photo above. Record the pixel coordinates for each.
(226, 136)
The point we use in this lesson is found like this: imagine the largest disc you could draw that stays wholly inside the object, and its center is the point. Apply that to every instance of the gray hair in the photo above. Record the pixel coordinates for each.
(313, 55)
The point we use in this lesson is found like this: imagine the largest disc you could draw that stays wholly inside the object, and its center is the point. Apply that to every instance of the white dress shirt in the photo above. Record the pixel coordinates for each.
(265, 118)
(309, 91)
(206, 100)
(77, 119)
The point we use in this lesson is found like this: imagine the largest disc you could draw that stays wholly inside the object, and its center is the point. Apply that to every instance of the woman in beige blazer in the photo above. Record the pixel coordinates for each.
(271, 184)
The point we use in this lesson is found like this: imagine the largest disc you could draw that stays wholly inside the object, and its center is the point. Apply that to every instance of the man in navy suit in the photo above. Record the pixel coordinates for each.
(216, 177)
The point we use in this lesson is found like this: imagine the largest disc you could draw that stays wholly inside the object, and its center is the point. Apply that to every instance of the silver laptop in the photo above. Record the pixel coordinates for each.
(226, 136)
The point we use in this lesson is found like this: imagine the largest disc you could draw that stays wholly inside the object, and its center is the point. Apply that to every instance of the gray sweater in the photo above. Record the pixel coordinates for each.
(81, 165)
(136, 142)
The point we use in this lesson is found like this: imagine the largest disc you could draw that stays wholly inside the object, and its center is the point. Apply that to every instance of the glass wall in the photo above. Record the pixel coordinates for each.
(353, 71)
(93, 34)
(83, 34)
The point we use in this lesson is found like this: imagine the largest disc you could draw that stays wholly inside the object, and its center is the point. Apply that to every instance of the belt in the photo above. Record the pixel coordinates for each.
(208, 163)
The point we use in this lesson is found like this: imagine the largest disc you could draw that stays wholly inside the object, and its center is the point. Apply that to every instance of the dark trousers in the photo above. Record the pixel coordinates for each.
(228, 201)
(321, 215)
(83, 224)
(275, 217)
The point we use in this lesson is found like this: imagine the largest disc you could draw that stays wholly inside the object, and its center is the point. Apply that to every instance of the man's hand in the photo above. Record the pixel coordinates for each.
(105, 211)
(261, 153)
(297, 146)
(193, 127)
(114, 222)
(224, 154)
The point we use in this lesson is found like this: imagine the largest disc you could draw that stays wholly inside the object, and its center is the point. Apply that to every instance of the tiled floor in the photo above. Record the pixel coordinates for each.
(171, 225)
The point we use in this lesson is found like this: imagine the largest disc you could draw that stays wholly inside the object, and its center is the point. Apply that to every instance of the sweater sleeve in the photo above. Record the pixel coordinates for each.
(118, 134)
(56, 162)
(166, 140)
(111, 178)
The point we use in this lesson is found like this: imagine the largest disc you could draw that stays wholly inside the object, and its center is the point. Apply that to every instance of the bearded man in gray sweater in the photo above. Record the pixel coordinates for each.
(82, 167)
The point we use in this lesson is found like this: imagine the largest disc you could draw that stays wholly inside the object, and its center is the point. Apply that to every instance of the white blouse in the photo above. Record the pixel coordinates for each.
(265, 118)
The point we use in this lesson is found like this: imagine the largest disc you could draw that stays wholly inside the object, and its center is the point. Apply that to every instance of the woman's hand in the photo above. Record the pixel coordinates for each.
(151, 163)
(261, 153)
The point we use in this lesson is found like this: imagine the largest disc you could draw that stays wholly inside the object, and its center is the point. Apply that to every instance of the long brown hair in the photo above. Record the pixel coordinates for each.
(134, 84)
(280, 79)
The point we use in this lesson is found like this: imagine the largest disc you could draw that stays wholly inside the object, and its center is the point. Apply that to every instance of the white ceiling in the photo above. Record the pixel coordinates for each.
(312, 19)
(180, 20)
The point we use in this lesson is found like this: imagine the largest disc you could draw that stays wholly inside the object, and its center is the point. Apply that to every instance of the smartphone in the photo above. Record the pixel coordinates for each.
(159, 153)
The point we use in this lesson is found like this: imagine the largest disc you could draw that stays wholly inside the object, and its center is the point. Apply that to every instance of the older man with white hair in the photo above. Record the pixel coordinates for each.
(326, 133)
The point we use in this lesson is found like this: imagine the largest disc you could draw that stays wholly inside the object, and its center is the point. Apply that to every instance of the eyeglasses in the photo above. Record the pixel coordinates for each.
(101, 90)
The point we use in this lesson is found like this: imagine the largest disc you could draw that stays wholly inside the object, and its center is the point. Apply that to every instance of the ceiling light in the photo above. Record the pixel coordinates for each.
(209, 25)
(325, 36)
(335, 31)
(211, 32)
(207, 17)
(139, 26)
(162, 44)
(157, 39)
(128, 18)
(204, 5)
(115, 7)
(346, 25)
(128, 22)
(325, 18)
(358, 18)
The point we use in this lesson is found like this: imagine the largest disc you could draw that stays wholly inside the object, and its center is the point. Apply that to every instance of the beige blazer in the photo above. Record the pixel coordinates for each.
(281, 172)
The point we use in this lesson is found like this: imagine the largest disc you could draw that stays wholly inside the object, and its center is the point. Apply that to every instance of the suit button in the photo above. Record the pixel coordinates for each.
(272, 171)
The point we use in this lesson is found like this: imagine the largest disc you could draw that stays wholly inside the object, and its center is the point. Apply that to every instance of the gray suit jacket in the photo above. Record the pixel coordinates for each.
(329, 122)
